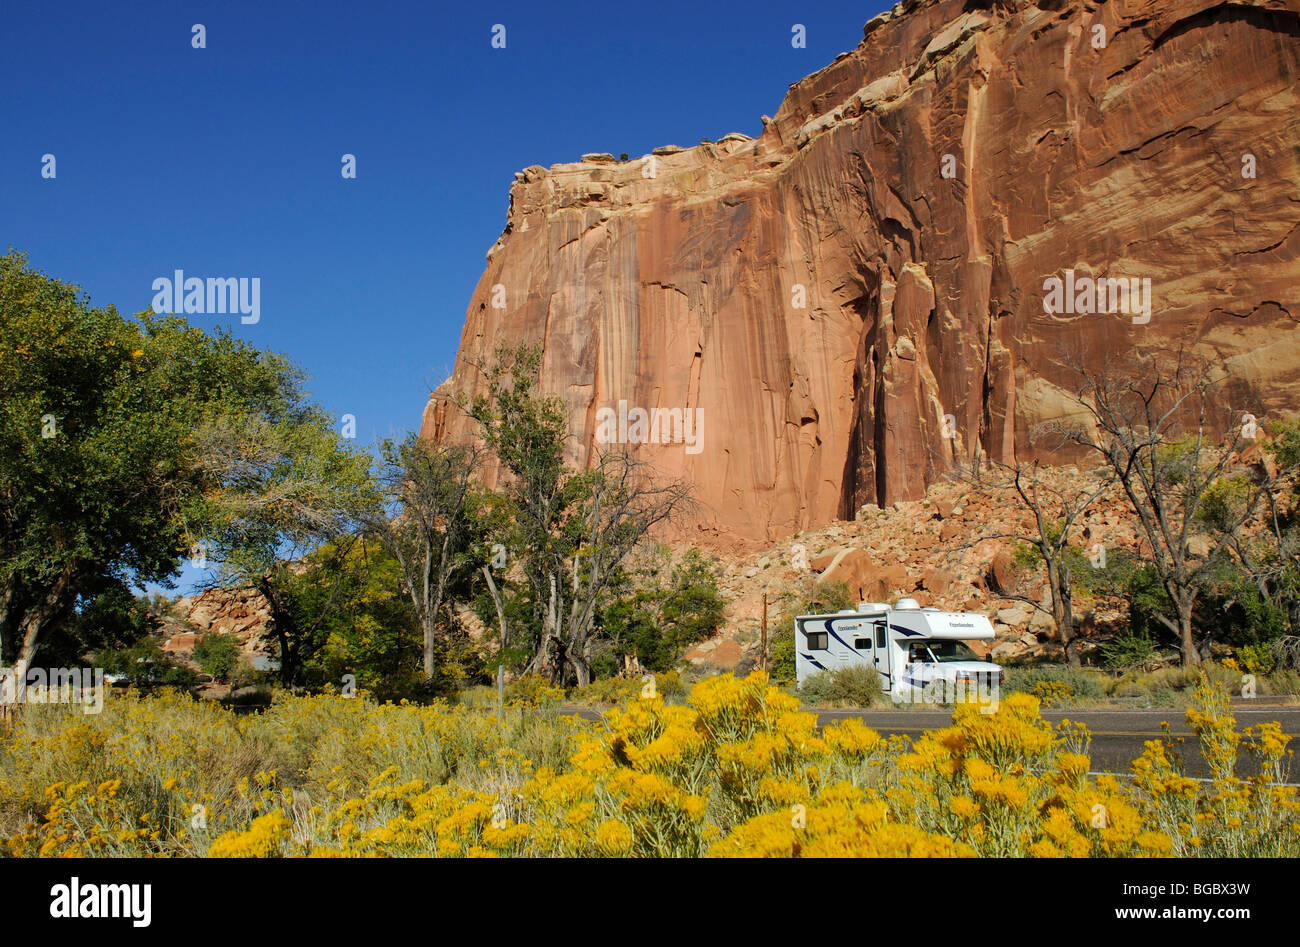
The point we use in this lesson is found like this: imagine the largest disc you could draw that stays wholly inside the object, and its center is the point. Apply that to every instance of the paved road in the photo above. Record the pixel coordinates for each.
(1117, 735)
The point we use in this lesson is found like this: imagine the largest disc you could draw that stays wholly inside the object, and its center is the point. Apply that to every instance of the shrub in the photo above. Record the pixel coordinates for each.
(1025, 555)
(1175, 677)
(1160, 688)
(1226, 676)
(533, 690)
(1285, 682)
(218, 655)
(607, 690)
(1053, 693)
(669, 610)
(1128, 688)
(617, 690)
(670, 684)
(1056, 680)
(816, 689)
(1257, 658)
(858, 686)
(1162, 697)
(719, 776)
(1129, 650)
(1286, 652)
(850, 687)
(780, 656)
(808, 597)
(144, 664)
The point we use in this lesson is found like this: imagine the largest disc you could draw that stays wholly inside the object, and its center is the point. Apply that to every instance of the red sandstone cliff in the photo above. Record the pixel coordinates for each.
(672, 281)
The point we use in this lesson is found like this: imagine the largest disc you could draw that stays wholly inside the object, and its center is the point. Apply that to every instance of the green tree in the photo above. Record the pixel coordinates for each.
(807, 596)
(1056, 510)
(106, 616)
(283, 483)
(657, 620)
(144, 664)
(434, 527)
(102, 471)
(572, 529)
(350, 592)
(218, 655)
(1259, 584)
(1162, 429)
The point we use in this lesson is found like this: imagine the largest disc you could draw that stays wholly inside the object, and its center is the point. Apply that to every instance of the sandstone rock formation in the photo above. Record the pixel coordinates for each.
(856, 297)
(242, 612)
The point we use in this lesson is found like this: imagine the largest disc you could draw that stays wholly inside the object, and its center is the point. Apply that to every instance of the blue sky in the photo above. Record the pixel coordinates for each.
(225, 161)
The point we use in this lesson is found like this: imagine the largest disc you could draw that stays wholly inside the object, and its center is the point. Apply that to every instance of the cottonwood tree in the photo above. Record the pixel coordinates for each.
(283, 483)
(101, 473)
(352, 594)
(661, 608)
(616, 508)
(1265, 550)
(1162, 429)
(434, 527)
(571, 529)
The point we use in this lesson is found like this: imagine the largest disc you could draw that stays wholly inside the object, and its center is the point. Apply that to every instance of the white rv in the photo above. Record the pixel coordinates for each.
(911, 647)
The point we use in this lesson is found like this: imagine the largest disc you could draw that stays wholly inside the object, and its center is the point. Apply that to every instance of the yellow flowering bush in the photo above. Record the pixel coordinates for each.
(1229, 816)
(736, 771)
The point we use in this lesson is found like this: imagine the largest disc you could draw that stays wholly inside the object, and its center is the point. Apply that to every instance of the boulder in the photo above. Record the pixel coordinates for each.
(854, 568)
(999, 572)
(937, 581)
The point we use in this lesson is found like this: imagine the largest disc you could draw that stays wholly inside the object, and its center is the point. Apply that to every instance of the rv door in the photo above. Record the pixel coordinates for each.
(883, 653)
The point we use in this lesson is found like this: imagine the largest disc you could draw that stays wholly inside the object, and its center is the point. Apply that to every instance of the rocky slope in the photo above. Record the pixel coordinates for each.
(857, 297)
(950, 549)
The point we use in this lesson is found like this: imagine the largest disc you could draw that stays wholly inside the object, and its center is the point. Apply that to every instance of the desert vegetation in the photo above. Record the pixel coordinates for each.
(735, 770)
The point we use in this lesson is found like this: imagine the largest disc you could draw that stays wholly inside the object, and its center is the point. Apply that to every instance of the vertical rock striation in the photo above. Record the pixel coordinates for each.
(915, 194)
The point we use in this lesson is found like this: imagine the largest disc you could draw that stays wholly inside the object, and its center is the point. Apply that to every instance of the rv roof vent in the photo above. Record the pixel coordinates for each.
(873, 606)
(907, 603)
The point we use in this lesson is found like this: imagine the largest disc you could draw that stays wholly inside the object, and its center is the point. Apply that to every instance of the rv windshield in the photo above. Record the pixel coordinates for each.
(950, 650)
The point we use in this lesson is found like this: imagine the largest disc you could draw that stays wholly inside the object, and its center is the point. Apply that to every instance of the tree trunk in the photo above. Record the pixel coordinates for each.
(23, 664)
(551, 659)
(581, 669)
(1058, 576)
(29, 632)
(1191, 655)
(283, 623)
(1066, 621)
(497, 604)
(547, 662)
(430, 639)
(6, 604)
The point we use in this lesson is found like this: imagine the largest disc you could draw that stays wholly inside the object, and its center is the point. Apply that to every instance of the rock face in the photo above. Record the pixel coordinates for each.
(241, 612)
(854, 299)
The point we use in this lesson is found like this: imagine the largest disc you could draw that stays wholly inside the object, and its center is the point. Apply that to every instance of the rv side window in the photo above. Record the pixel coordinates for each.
(817, 640)
(862, 644)
(880, 636)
